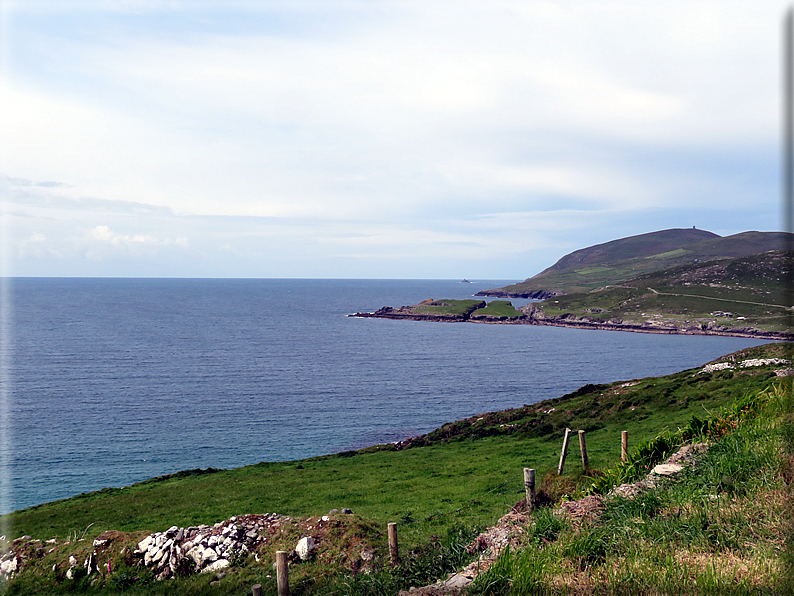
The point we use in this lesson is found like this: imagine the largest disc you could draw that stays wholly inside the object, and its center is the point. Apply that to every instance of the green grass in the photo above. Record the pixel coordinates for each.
(467, 471)
(497, 308)
(466, 474)
(678, 252)
(448, 307)
(714, 529)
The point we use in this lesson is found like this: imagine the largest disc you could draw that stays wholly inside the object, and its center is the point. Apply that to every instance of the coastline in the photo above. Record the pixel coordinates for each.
(534, 316)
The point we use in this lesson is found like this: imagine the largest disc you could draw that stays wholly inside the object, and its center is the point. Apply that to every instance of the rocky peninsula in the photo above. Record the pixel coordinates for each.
(474, 311)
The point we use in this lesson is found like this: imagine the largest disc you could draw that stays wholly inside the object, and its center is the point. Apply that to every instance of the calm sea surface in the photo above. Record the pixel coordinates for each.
(118, 380)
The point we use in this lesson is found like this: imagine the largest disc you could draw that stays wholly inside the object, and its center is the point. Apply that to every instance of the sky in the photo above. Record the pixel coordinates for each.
(377, 138)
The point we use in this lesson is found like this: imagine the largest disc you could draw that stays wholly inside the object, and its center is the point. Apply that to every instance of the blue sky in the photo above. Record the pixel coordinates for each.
(377, 138)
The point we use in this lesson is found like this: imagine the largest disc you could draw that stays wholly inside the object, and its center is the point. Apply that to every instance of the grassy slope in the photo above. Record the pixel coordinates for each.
(619, 260)
(750, 287)
(447, 307)
(468, 472)
(714, 529)
(497, 308)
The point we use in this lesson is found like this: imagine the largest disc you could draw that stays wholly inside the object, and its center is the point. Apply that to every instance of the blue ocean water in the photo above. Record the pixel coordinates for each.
(120, 380)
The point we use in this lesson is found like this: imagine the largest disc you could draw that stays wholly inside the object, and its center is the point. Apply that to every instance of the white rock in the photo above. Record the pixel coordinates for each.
(144, 544)
(9, 567)
(763, 362)
(667, 469)
(208, 555)
(457, 581)
(69, 573)
(305, 547)
(195, 554)
(160, 554)
(216, 566)
(718, 366)
(72, 561)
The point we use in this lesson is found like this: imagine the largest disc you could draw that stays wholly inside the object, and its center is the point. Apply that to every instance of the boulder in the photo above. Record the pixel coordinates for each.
(667, 469)
(9, 566)
(144, 544)
(216, 566)
(306, 546)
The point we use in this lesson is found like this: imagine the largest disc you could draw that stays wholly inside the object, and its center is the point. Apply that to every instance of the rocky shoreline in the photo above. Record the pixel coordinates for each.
(533, 315)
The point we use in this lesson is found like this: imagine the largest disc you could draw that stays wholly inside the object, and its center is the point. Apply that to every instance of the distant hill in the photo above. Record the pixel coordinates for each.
(728, 296)
(643, 245)
(619, 260)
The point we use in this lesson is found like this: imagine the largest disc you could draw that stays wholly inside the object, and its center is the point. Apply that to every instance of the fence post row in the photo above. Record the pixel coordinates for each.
(282, 573)
(394, 549)
(564, 452)
(529, 485)
(256, 590)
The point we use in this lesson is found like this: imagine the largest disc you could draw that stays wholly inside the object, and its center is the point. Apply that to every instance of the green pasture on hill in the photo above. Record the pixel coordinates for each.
(448, 307)
(677, 303)
(469, 472)
(497, 308)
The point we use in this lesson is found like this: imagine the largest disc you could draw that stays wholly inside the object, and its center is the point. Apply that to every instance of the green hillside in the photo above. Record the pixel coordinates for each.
(619, 260)
(740, 293)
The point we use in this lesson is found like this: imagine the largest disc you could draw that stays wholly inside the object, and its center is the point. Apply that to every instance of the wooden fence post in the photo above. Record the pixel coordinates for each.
(564, 452)
(529, 485)
(583, 449)
(282, 573)
(256, 590)
(624, 445)
(394, 548)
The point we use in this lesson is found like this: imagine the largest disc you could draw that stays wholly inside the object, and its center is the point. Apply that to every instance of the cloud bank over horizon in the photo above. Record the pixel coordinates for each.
(377, 138)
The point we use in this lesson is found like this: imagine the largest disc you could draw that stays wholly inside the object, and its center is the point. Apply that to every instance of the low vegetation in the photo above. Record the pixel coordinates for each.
(717, 528)
(448, 307)
(443, 487)
(501, 309)
(734, 293)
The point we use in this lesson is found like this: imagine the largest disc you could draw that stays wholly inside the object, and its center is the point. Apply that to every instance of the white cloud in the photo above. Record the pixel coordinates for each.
(389, 124)
(104, 235)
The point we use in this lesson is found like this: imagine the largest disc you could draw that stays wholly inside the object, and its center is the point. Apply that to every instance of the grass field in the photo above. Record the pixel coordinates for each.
(448, 307)
(497, 308)
(462, 476)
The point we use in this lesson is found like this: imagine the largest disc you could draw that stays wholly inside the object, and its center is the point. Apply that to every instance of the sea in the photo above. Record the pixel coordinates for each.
(114, 381)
